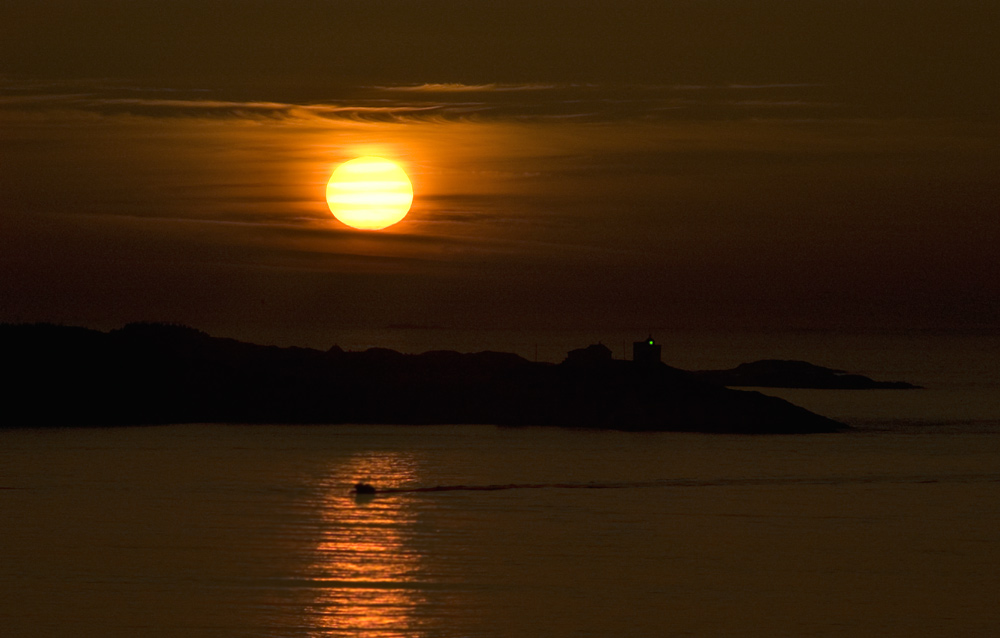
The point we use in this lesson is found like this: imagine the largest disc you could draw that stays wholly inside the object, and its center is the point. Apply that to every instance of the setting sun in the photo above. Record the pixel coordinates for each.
(369, 193)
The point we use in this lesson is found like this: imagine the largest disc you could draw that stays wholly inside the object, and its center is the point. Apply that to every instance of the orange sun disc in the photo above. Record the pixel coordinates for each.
(369, 193)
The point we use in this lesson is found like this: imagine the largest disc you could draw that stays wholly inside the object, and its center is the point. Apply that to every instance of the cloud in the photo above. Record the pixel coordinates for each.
(432, 102)
(454, 87)
(743, 87)
(160, 107)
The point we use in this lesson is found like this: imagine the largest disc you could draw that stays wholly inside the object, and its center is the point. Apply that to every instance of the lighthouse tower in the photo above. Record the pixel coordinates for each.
(646, 352)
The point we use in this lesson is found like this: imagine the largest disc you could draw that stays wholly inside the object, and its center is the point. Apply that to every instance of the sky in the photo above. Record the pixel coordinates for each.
(628, 165)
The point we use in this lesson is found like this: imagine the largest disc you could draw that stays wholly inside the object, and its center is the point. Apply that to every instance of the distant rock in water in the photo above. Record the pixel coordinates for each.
(161, 373)
(778, 373)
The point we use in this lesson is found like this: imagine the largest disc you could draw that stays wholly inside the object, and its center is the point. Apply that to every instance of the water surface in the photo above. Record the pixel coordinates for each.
(211, 530)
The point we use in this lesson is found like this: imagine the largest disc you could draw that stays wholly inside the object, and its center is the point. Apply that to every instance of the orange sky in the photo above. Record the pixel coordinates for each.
(575, 164)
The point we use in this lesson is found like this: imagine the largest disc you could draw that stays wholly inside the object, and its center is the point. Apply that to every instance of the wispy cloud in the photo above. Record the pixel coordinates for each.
(743, 87)
(454, 87)
(159, 107)
(432, 102)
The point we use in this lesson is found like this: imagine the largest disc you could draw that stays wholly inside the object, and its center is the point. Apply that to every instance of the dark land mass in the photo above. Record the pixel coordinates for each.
(155, 373)
(778, 373)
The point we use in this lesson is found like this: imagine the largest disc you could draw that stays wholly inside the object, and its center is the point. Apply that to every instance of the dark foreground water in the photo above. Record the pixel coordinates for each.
(208, 530)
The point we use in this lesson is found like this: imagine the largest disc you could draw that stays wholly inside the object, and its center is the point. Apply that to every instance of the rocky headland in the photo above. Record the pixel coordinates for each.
(780, 373)
(156, 373)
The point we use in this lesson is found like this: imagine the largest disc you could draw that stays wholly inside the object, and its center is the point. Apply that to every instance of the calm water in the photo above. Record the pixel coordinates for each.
(209, 530)
(250, 531)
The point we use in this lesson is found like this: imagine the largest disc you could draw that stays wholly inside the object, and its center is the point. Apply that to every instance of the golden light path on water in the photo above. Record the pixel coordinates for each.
(231, 531)
(368, 573)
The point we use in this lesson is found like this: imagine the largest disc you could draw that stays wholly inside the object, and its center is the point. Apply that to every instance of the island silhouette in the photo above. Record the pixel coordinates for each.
(784, 373)
(154, 373)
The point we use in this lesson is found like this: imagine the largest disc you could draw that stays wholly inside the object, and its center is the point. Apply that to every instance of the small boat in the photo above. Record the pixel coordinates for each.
(363, 488)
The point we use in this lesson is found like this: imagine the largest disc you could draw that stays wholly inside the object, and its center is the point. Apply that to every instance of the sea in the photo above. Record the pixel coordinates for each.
(891, 528)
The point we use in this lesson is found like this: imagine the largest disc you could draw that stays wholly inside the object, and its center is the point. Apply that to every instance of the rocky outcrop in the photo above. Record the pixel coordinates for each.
(778, 373)
(156, 373)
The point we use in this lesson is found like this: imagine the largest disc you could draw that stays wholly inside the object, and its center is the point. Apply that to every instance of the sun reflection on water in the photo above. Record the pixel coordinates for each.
(367, 571)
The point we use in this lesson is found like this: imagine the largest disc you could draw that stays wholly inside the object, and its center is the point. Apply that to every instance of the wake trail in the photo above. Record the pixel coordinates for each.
(509, 486)
(718, 482)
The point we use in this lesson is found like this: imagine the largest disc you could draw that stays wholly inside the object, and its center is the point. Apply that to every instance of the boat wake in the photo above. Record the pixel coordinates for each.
(718, 482)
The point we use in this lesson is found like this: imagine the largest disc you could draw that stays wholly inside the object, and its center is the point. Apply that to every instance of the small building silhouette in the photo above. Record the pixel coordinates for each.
(596, 354)
(646, 352)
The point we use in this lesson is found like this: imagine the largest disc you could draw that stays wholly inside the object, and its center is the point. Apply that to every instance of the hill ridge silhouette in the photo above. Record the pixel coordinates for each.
(155, 373)
(792, 373)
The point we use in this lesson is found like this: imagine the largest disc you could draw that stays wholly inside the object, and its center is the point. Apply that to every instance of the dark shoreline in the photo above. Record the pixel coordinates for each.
(147, 374)
(783, 373)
